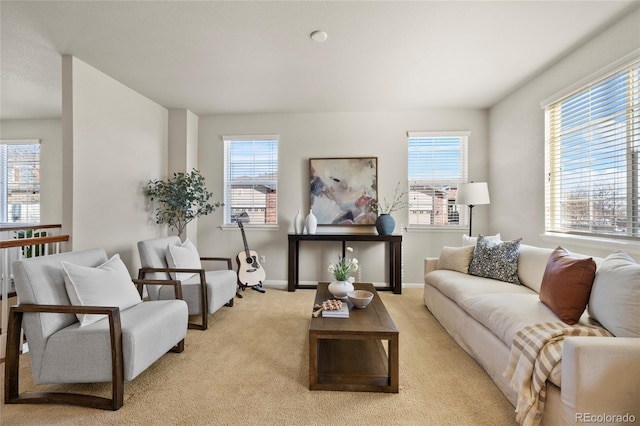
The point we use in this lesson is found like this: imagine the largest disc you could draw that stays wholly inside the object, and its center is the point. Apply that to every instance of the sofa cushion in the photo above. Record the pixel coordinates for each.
(505, 314)
(108, 284)
(471, 241)
(455, 258)
(458, 287)
(184, 255)
(615, 296)
(566, 284)
(531, 264)
(498, 261)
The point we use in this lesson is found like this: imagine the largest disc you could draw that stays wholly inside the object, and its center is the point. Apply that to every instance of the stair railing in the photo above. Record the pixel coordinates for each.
(17, 242)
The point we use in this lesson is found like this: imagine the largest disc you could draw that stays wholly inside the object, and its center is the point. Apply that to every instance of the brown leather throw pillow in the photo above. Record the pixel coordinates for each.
(566, 284)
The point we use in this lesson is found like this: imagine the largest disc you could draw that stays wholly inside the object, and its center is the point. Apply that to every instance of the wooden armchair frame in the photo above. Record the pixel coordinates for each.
(204, 300)
(12, 362)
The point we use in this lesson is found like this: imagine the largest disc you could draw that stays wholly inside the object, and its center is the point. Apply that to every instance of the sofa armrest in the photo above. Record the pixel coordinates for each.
(600, 375)
(430, 264)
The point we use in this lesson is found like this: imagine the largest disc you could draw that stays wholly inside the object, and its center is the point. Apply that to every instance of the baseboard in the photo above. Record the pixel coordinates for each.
(283, 285)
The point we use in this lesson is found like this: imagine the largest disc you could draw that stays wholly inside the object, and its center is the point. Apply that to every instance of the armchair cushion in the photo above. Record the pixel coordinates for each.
(149, 329)
(221, 287)
(108, 284)
(184, 255)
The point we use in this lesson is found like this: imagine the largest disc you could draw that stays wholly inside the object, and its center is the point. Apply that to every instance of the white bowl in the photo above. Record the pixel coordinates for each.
(360, 298)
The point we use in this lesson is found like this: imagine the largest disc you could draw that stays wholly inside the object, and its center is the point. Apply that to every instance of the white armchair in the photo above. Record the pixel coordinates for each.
(115, 346)
(204, 291)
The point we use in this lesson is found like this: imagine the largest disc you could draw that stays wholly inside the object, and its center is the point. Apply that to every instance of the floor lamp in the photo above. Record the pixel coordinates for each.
(472, 194)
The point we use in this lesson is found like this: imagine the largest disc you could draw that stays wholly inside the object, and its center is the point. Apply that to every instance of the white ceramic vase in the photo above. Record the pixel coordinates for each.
(298, 223)
(311, 223)
(339, 289)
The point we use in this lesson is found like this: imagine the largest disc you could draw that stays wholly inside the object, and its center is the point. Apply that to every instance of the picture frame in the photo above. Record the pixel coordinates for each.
(342, 190)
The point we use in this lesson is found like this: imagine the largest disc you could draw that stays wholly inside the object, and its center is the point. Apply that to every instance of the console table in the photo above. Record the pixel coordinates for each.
(394, 253)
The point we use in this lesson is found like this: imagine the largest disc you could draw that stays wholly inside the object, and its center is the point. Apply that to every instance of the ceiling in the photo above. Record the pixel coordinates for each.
(215, 57)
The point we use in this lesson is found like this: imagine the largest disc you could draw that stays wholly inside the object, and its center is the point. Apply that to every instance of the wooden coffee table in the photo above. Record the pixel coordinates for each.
(348, 354)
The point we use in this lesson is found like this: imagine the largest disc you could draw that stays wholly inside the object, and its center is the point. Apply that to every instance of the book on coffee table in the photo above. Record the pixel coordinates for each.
(343, 312)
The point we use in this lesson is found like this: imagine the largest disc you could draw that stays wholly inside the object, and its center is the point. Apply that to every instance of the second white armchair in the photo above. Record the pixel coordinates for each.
(205, 291)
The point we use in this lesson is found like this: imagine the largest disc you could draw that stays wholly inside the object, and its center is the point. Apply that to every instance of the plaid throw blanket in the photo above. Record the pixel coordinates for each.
(535, 351)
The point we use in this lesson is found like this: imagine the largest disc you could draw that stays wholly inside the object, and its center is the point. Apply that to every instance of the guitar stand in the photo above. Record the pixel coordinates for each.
(257, 287)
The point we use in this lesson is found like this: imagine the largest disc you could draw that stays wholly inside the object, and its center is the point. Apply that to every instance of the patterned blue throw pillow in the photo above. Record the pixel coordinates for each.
(498, 261)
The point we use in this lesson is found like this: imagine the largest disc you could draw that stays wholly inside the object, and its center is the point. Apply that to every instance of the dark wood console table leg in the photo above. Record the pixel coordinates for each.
(293, 265)
(395, 267)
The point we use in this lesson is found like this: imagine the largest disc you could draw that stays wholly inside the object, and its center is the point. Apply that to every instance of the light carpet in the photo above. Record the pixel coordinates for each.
(251, 368)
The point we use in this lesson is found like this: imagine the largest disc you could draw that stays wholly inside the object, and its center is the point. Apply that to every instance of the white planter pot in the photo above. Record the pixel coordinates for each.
(339, 289)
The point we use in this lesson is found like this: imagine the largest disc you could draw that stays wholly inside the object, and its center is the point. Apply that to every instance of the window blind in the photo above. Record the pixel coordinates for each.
(437, 163)
(20, 186)
(592, 144)
(251, 178)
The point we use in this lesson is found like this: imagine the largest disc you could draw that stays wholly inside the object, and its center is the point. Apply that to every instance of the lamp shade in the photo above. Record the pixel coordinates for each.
(472, 194)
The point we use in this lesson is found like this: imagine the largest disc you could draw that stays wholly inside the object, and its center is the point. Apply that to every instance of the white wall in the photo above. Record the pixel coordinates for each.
(517, 137)
(304, 136)
(115, 141)
(183, 152)
(49, 132)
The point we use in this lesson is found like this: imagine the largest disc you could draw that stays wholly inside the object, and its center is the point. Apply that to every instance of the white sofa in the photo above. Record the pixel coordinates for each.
(598, 377)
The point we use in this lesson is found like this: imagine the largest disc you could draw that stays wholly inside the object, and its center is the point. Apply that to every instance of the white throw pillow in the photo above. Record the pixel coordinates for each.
(615, 295)
(183, 256)
(106, 285)
(455, 258)
(471, 241)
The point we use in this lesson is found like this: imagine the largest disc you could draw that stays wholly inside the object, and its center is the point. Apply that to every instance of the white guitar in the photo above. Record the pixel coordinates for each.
(250, 272)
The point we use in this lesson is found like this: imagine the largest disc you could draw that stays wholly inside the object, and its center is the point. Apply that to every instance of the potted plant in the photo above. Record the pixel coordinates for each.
(181, 198)
(341, 271)
(385, 224)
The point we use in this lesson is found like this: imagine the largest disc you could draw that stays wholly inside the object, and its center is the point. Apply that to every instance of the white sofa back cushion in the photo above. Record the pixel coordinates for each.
(615, 295)
(532, 262)
(472, 241)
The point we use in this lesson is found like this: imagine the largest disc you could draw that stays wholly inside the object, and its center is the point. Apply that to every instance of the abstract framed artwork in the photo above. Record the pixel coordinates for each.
(342, 190)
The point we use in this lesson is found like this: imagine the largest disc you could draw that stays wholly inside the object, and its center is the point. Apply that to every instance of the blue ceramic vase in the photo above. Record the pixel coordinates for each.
(385, 224)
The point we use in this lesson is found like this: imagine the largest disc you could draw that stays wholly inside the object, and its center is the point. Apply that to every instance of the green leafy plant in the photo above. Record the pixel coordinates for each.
(31, 251)
(181, 198)
(344, 267)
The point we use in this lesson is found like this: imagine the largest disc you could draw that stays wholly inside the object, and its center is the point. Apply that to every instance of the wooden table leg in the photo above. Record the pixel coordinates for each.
(313, 360)
(394, 369)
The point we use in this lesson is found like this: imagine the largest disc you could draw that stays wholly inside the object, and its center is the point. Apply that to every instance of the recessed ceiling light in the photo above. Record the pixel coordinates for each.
(318, 36)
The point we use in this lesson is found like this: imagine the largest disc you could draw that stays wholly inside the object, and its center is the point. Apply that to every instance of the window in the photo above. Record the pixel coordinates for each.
(20, 181)
(592, 144)
(437, 163)
(251, 178)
